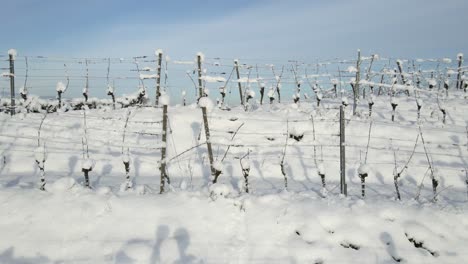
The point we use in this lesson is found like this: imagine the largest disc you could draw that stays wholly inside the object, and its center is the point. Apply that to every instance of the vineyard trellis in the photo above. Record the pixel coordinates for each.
(399, 85)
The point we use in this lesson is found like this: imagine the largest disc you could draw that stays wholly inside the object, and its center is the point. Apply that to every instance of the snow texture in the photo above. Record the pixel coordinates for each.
(212, 79)
(71, 224)
(148, 76)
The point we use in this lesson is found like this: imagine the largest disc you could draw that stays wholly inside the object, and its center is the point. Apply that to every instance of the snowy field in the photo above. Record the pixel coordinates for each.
(197, 222)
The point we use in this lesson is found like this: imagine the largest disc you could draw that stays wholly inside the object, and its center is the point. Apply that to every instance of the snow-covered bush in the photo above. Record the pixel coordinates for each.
(24, 93)
(245, 165)
(419, 104)
(126, 161)
(394, 103)
(271, 95)
(110, 92)
(370, 102)
(87, 165)
(344, 101)
(85, 93)
(250, 94)
(432, 83)
(262, 92)
(363, 172)
(321, 172)
(219, 190)
(60, 88)
(40, 155)
(296, 132)
(222, 91)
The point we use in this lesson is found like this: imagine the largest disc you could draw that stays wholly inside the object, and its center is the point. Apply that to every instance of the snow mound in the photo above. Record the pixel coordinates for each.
(103, 190)
(220, 190)
(62, 185)
(135, 252)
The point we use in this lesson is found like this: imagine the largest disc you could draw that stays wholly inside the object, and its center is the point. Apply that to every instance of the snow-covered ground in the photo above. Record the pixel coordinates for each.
(196, 222)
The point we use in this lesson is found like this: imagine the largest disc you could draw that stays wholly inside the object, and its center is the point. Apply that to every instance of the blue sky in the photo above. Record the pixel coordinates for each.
(302, 29)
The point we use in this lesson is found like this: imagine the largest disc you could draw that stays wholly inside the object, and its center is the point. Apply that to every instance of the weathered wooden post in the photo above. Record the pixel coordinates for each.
(236, 65)
(86, 89)
(214, 172)
(342, 153)
(159, 53)
(12, 57)
(356, 85)
(460, 61)
(200, 85)
(162, 166)
(203, 106)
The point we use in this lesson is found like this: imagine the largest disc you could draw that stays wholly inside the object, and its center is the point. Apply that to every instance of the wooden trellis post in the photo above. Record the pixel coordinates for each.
(12, 81)
(344, 189)
(162, 166)
(236, 65)
(205, 122)
(158, 77)
(460, 61)
(356, 85)
(208, 144)
(200, 85)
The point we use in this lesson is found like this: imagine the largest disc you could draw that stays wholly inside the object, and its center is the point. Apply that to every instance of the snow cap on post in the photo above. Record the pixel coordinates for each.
(447, 60)
(158, 51)
(13, 53)
(206, 102)
(363, 169)
(87, 164)
(202, 56)
(126, 158)
(164, 99)
(460, 56)
(60, 87)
